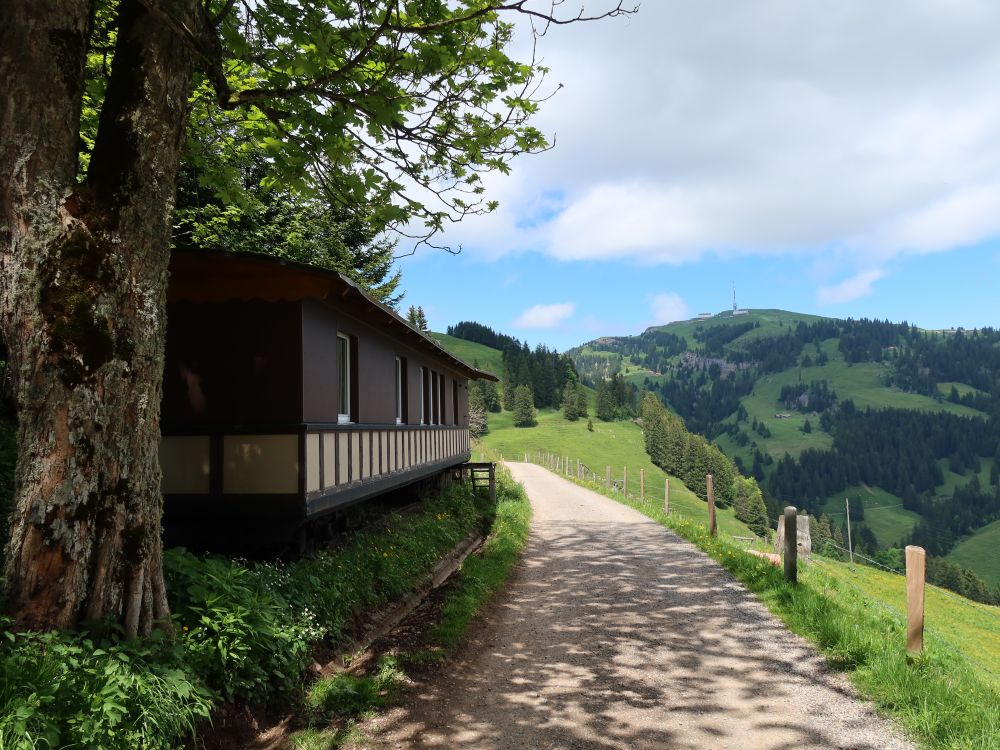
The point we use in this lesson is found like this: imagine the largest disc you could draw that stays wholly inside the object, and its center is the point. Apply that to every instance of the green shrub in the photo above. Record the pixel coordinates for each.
(61, 690)
(238, 634)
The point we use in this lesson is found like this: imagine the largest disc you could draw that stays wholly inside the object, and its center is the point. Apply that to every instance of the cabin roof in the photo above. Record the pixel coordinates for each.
(203, 276)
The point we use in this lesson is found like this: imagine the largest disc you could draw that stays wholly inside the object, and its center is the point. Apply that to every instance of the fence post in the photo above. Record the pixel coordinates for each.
(625, 480)
(607, 478)
(791, 544)
(666, 496)
(916, 567)
(579, 469)
(642, 485)
(712, 528)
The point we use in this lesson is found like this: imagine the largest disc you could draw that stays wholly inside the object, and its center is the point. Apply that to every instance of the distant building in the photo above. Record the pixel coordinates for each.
(740, 312)
(704, 316)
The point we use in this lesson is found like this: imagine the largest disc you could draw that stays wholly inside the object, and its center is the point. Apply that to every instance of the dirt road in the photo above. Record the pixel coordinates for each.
(615, 633)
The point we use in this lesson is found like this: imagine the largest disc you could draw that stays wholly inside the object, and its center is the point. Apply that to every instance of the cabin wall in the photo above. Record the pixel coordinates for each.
(375, 384)
(232, 363)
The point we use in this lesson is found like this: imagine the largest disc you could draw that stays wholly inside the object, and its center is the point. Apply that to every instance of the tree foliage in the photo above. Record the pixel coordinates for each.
(389, 110)
(524, 407)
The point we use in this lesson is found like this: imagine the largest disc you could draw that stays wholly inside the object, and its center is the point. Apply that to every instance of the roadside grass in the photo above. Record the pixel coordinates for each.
(243, 632)
(489, 359)
(483, 575)
(884, 514)
(980, 553)
(970, 628)
(333, 705)
(939, 697)
(616, 444)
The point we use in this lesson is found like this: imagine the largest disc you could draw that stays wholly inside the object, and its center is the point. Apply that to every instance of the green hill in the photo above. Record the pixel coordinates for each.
(616, 444)
(981, 553)
(747, 382)
(487, 358)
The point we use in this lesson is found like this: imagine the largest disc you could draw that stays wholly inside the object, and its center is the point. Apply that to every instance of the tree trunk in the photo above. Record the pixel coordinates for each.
(82, 309)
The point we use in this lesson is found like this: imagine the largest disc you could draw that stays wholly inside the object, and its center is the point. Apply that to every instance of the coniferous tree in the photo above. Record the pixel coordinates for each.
(570, 405)
(605, 402)
(524, 407)
(581, 401)
(509, 386)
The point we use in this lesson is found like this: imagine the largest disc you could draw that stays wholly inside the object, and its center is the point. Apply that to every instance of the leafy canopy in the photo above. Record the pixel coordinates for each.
(397, 106)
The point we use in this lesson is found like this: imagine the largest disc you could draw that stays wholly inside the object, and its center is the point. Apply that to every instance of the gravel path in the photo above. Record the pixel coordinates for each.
(615, 633)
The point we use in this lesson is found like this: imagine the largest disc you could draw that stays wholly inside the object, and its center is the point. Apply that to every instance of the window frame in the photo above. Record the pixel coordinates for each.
(344, 378)
(400, 369)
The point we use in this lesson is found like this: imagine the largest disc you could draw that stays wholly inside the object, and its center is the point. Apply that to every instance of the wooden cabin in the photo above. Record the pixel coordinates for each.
(288, 395)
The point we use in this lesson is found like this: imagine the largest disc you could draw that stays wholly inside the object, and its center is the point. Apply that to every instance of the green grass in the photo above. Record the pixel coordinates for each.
(332, 704)
(862, 383)
(969, 628)
(953, 481)
(884, 514)
(772, 323)
(981, 553)
(470, 352)
(615, 444)
(945, 389)
(946, 697)
(483, 575)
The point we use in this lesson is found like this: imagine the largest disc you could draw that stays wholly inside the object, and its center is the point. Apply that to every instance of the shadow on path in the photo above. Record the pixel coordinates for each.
(615, 633)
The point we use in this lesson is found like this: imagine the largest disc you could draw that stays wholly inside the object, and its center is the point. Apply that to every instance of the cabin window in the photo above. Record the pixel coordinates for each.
(424, 397)
(442, 417)
(400, 389)
(454, 401)
(344, 372)
(434, 398)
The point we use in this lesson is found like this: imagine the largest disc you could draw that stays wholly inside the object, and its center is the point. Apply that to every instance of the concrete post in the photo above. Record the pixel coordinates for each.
(791, 544)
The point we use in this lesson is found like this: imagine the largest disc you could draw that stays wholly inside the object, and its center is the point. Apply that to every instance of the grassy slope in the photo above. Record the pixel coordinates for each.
(617, 444)
(981, 553)
(489, 359)
(972, 629)
(889, 522)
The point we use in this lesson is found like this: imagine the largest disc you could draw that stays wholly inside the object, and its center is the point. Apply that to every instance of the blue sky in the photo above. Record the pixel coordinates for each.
(840, 159)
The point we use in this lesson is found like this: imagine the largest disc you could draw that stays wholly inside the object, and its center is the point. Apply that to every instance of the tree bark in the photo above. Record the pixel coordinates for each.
(82, 309)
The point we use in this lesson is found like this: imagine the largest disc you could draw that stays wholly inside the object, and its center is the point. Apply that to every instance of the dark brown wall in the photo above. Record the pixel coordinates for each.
(378, 348)
(232, 363)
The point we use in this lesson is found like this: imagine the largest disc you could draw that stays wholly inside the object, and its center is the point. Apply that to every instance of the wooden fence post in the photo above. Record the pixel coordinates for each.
(791, 544)
(607, 478)
(625, 480)
(916, 567)
(712, 528)
(666, 496)
(642, 485)
(579, 469)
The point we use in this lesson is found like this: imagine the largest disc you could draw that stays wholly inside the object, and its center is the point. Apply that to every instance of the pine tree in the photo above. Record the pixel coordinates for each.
(411, 317)
(605, 402)
(581, 401)
(569, 403)
(524, 407)
(590, 425)
(748, 506)
(421, 320)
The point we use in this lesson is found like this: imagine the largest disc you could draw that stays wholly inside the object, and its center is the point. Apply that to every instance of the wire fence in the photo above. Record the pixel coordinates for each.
(650, 492)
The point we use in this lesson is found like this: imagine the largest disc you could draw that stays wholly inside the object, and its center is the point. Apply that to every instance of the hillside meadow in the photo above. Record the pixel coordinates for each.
(616, 444)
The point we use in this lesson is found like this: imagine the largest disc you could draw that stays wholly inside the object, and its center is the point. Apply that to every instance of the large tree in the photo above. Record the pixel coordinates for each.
(395, 105)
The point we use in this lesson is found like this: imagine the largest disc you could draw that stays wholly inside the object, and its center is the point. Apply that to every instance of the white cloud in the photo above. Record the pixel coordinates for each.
(668, 307)
(544, 316)
(778, 126)
(859, 285)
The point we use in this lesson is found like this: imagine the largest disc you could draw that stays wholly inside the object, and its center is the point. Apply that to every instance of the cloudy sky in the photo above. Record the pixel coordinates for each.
(835, 158)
